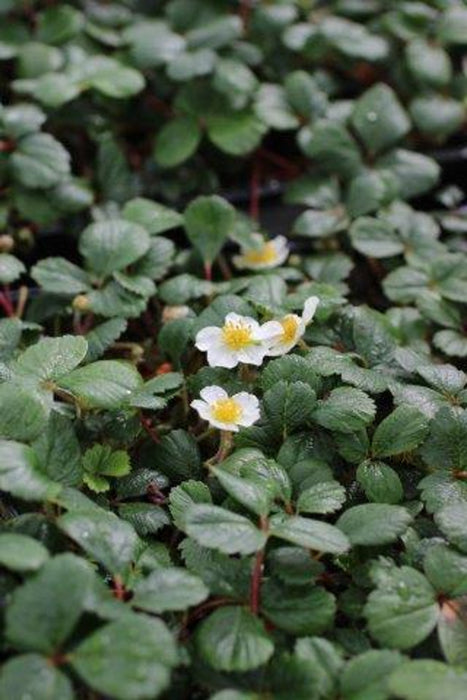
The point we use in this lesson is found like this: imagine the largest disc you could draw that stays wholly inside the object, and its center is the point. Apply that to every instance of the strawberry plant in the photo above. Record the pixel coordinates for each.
(233, 391)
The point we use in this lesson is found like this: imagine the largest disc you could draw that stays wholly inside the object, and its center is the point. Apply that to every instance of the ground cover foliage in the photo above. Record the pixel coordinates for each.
(233, 460)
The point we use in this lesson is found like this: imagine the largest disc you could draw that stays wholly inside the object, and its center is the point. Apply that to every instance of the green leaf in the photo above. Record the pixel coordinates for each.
(10, 268)
(373, 524)
(446, 445)
(104, 384)
(367, 675)
(209, 221)
(402, 431)
(320, 224)
(312, 534)
(152, 43)
(298, 611)
(379, 119)
(56, 25)
(32, 676)
(21, 553)
(437, 116)
(323, 498)
(375, 238)
(287, 406)
(177, 141)
(452, 521)
(112, 245)
(424, 679)
(21, 119)
(380, 482)
(23, 412)
(59, 276)
(102, 461)
(112, 78)
(52, 358)
(453, 25)
(103, 536)
(446, 570)
(103, 336)
(185, 495)
(237, 133)
(152, 216)
(429, 64)
(251, 489)
(402, 611)
(20, 474)
(232, 639)
(114, 661)
(169, 589)
(289, 368)
(58, 451)
(61, 588)
(177, 455)
(273, 108)
(221, 529)
(235, 80)
(40, 162)
(345, 410)
(415, 172)
(334, 149)
(35, 58)
(215, 32)
(452, 632)
(146, 518)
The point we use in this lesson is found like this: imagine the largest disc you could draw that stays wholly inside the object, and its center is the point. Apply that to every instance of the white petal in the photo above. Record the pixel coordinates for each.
(213, 393)
(269, 330)
(239, 262)
(253, 355)
(246, 401)
(309, 308)
(232, 317)
(281, 348)
(203, 409)
(207, 337)
(231, 427)
(282, 249)
(221, 356)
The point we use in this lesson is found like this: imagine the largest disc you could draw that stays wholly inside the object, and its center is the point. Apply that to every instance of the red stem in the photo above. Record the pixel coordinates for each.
(150, 430)
(6, 304)
(245, 13)
(208, 271)
(288, 166)
(254, 190)
(257, 574)
(118, 588)
(255, 589)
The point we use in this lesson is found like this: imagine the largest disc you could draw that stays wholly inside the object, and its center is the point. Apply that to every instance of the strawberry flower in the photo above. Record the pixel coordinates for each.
(240, 339)
(264, 256)
(293, 328)
(225, 412)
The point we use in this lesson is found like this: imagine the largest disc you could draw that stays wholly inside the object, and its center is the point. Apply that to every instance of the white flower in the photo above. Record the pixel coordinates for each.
(241, 339)
(227, 412)
(293, 328)
(265, 255)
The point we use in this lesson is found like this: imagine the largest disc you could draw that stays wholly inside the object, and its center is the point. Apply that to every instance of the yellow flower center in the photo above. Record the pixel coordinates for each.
(237, 336)
(265, 255)
(227, 411)
(289, 328)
